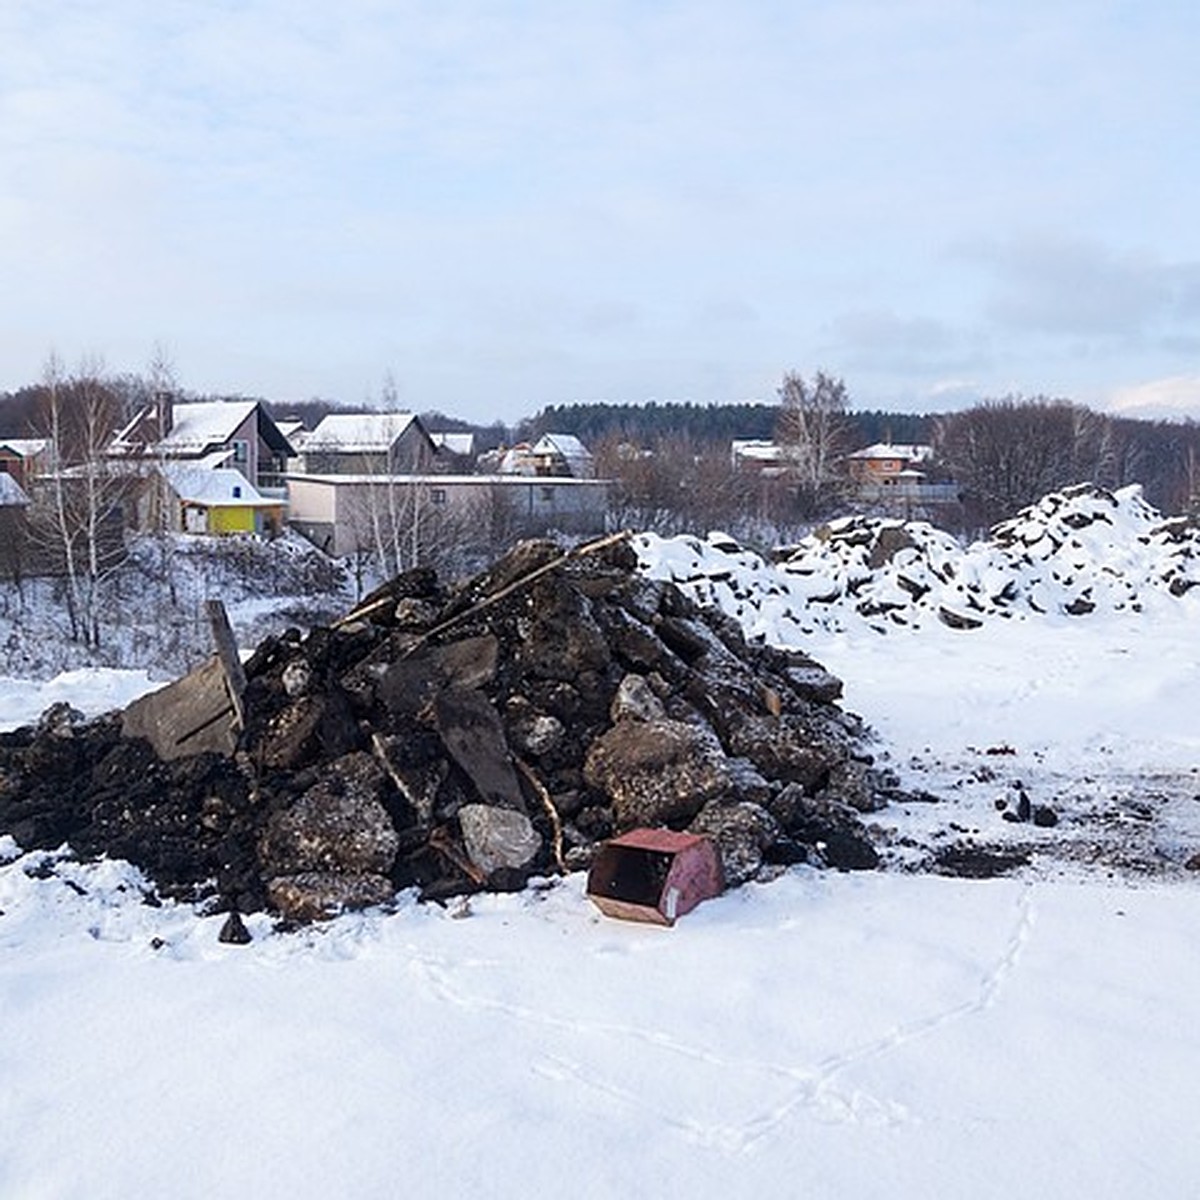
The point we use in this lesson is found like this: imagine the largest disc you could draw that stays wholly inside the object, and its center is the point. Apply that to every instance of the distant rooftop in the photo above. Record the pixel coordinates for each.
(358, 433)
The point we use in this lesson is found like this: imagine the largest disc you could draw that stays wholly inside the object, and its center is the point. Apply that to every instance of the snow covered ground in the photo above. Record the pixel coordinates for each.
(890, 1034)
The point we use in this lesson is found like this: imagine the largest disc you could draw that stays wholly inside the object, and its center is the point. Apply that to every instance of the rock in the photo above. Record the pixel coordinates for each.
(320, 895)
(296, 678)
(957, 620)
(1045, 817)
(316, 726)
(60, 720)
(838, 838)
(632, 640)
(815, 684)
(852, 784)
(498, 838)
(234, 931)
(742, 832)
(530, 731)
(473, 733)
(783, 748)
(1024, 807)
(411, 682)
(562, 639)
(657, 772)
(337, 825)
(889, 541)
(684, 637)
(635, 700)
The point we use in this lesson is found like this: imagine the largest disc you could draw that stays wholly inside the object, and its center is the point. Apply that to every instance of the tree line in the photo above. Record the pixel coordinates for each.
(702, 423)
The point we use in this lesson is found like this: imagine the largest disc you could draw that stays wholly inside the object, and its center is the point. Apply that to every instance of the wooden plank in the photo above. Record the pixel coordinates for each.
(228, 656)
(190, 716)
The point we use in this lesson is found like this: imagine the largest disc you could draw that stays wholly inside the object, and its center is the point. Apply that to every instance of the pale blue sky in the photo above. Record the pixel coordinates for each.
(511, 204)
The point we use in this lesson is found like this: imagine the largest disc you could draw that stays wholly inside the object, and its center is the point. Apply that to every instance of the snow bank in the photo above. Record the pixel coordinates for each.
(91, 690)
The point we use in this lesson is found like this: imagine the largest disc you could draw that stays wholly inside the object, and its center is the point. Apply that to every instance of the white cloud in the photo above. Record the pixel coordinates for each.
(1177, 396)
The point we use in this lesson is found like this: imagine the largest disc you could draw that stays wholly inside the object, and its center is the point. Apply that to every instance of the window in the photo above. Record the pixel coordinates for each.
(546, 495)
(241, 451)
(237, 491)
(437, 495)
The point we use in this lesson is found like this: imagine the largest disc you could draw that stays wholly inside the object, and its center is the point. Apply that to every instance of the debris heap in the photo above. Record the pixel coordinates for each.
(1077, 551)
(460, 738)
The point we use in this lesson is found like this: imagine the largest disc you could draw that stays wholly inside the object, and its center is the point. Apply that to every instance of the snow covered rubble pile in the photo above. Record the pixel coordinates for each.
(1075, 552)
(465, 738)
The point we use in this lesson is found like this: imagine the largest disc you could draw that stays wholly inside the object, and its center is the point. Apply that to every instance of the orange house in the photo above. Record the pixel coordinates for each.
(887, 465)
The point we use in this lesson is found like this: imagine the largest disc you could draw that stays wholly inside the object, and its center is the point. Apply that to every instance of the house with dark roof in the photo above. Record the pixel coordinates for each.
(236, 433)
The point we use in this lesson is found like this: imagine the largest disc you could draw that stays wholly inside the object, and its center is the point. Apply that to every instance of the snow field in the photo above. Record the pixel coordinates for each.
(865, 1035)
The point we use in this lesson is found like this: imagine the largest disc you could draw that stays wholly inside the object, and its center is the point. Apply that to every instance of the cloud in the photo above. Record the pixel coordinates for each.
(1065, 286)
(1174, 397)
(542, 199)
(883, 340)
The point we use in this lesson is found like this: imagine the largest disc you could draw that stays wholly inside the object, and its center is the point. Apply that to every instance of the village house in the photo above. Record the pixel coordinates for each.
(758, 455)
(899, 477)
(888, 464)
(219, 499)
(211, 466)
(364, 473)
(24, 459)
(455, 452)
(374, 443)
(205, 433)
(553, 455)
(342, 514)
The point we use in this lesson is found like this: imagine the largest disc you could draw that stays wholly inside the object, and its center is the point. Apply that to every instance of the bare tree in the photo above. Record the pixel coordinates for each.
(76, 519)
(402, 522)
(813, 430)
(1008, 453)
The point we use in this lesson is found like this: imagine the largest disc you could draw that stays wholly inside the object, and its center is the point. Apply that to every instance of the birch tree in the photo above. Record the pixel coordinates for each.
(76, 520)
(812, 429)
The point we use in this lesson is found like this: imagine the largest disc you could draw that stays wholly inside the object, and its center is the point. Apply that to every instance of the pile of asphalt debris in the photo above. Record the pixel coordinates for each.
(468, 737)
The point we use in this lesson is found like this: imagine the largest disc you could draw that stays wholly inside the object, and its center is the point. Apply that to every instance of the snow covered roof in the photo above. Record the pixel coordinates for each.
(756, 449)
(197, 426)
(202, 423)
(455, 443)
(358, 433)
(11, 495)
(213, 488)
(212, 460)
(910, 451)
(566, 444)
(25, 447)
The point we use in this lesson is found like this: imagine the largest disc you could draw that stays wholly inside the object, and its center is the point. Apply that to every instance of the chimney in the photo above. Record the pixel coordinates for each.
(163, 417)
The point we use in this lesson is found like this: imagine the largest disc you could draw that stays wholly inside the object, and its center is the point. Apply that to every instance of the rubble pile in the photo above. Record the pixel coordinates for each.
(459, 738)
(1075, 552)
